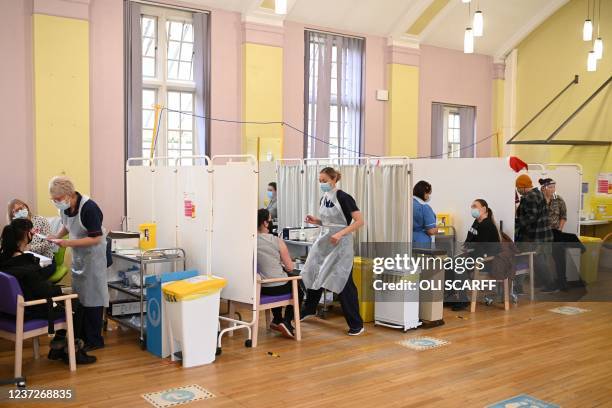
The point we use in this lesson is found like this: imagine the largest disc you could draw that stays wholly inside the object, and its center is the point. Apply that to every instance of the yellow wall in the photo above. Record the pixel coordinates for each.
(403, 110)
(61, 103)
(263, 99)
(547, 61)
(497, 148)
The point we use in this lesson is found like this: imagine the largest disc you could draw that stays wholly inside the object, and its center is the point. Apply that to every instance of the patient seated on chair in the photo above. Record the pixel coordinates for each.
(274, 261)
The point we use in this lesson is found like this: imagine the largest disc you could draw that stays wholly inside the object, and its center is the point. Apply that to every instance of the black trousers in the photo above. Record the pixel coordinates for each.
(88, 325)
(277, 312)
(348, 300)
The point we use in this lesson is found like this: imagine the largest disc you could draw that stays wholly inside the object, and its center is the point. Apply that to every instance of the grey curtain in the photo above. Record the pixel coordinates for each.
(201, 76)
(133, 79)
(467, 116)
(437, 130)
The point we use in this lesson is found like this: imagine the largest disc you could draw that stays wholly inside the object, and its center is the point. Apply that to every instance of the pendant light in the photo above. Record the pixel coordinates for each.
(598, 44)
(591, 62)
(478, 24)
(468, 41)
(280, 6)
(465, 1)
(587, 28)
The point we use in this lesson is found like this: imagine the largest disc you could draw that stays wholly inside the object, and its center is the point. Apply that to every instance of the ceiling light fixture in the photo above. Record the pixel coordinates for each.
(465, 1)
(280, 6)
(468, 41)
(591, 62)
(478, 24)
(587, 28)
(598, 45)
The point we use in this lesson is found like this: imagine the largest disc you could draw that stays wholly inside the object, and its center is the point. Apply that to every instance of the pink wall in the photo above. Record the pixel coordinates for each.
(226, 82)
(106, 108)
(453, 77)
(293, 90)
(16, 112)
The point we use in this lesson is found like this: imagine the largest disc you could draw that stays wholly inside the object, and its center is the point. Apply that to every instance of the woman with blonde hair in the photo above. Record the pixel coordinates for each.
(19, 209)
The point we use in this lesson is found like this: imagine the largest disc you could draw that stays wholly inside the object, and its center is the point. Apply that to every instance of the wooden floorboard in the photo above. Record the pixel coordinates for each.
(492, 355)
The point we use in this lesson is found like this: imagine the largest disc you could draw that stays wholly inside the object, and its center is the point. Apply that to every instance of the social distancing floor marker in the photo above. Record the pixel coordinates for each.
(422, 343)
(523, 401)
(568, 310)
(177, 396)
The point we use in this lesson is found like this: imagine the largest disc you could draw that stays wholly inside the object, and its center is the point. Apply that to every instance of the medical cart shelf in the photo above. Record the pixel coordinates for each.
(142, 259)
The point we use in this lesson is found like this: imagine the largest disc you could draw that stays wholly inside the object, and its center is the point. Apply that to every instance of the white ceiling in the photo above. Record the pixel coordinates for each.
(506, 21)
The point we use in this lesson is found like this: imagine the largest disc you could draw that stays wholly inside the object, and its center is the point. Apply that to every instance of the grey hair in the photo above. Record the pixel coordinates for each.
(61, 185)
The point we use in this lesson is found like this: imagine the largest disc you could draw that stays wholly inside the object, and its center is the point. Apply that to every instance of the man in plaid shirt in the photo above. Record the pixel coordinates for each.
(532, 224)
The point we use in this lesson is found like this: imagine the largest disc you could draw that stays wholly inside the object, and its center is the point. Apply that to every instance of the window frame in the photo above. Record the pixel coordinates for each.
(160, 83)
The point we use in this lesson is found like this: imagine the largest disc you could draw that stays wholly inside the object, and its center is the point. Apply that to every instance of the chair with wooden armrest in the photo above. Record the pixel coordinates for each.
(267, 302)
(15, 328)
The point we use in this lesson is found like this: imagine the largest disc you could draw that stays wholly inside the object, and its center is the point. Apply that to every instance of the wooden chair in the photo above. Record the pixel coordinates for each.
(14, 328)
(524, 266)
(266, 303)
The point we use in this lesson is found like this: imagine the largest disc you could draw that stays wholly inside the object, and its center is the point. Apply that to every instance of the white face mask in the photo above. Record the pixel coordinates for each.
(23, 213)
(62, 205)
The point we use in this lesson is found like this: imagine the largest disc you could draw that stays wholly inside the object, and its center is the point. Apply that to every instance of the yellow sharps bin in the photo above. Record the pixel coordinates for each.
(148, 236)
(362, 275)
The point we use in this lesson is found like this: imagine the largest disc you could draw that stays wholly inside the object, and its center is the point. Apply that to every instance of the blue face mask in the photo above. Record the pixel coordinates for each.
(23, 213)
(325, 187)
(475, 212)
(270, 194)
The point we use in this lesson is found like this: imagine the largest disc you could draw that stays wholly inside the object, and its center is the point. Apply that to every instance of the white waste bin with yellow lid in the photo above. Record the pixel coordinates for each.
(192, 313)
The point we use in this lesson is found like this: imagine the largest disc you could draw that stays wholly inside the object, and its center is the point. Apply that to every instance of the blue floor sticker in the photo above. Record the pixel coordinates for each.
(523, 401)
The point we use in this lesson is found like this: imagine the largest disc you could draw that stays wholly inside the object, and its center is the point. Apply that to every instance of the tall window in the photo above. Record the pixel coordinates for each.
(167, 64)
(453, 130)
(452, 140)
(167, 78)
(333, 111)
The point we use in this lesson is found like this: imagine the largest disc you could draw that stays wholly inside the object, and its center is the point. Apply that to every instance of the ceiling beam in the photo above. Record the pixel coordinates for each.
(436, 21)
(530, 25)
(410, 15)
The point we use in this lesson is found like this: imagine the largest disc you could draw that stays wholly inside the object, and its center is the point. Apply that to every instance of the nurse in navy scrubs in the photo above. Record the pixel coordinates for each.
(423, 217)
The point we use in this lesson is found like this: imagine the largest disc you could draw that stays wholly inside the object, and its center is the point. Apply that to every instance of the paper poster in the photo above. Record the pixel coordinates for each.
(604, 183)
(189, 206)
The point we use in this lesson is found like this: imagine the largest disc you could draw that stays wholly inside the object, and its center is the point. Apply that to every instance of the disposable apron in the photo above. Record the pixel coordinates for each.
(329, 266)
(88, 263)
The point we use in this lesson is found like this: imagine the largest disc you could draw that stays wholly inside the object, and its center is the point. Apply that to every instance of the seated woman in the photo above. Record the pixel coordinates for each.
(482, 241)
(19, 209)
(272, 261)
(26, 269)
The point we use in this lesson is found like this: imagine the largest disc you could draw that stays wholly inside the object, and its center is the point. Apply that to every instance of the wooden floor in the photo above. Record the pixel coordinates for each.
(492, 355)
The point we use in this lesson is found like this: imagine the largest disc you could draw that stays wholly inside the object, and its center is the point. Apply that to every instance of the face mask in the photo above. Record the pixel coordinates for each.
(23, 213)
(62, 205)
(325, 187)
(270, 194)
(475, 212)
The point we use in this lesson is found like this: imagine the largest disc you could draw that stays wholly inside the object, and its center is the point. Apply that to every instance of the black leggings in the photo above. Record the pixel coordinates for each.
(277, 312)
(349, 302)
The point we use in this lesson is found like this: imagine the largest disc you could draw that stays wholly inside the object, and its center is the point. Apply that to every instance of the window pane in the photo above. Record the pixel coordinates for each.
(187, 52)
(148, 67)
(186, 101)
(188, 33)
(176, 30)
(172, 69)
(148, 26)
(174, 120)
(333, 113)
(185, 71)
(186, 122)
(173, 153)
(174, 100)
(174, 48)
(147, 136)
(174, 139)
(148, 98)
(147, 119)
(187, 140)
(148, 47)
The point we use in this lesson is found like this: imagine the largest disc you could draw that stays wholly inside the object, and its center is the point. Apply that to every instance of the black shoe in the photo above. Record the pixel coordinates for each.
(274, 324)
(307, 314)
(286, 330)
(356, 332)
(81, 358)
(549, 289)
(55, 354)
(92, 347)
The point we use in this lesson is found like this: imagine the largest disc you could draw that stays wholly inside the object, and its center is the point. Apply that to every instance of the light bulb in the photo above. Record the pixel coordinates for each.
(280, 6)
(478, 24)
(466, 1)
(591, 62)
(587, 30)
(468, 41)
(598, 48)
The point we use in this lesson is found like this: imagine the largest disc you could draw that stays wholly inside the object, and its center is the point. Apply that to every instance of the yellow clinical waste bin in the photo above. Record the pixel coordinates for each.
(589, 261)
(362, 275)
(192, 312)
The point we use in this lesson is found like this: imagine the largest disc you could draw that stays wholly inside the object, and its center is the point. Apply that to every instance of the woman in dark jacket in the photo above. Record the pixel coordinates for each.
(26, 269)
